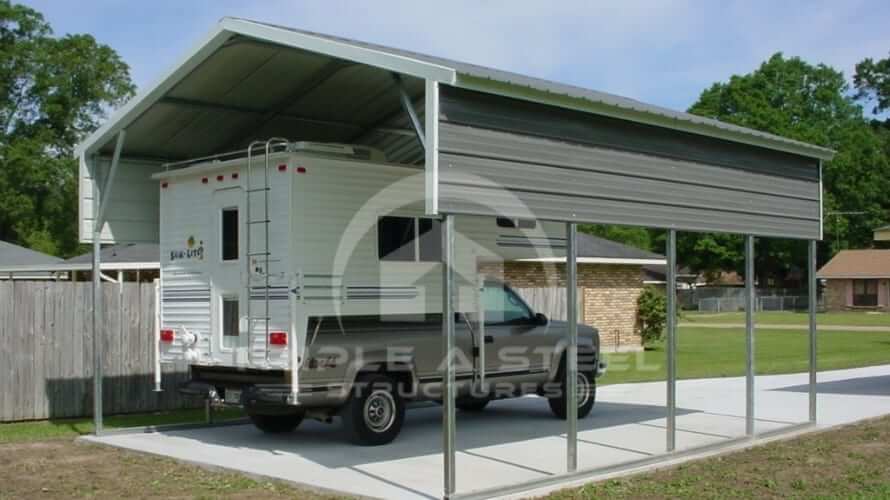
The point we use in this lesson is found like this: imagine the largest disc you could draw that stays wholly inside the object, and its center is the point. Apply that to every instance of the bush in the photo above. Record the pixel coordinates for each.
(652, 314)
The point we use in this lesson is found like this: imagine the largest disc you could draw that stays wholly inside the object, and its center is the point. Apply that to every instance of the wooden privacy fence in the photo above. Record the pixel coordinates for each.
(46, 351)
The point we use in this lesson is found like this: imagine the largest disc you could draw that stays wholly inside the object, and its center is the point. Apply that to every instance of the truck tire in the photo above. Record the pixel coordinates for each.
(471, 404)
(586, 394)
(278, 423)
(374, 414)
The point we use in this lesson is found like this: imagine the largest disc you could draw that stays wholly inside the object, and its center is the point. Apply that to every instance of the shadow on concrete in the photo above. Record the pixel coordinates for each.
(862, 386)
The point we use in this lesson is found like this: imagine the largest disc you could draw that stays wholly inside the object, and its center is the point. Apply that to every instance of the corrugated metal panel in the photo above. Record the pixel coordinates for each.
(504, 157)
(483, 73)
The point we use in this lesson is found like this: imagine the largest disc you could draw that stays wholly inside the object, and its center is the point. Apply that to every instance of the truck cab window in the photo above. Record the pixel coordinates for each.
(229, 243)
(503, 306)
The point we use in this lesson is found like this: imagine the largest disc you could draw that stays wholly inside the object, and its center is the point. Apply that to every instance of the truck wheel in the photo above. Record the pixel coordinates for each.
(471, 404)
(586, 394)
(375, 411)
(276, 424)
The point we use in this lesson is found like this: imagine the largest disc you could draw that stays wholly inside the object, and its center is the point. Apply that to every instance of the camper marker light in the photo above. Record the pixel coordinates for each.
(301, 170)
(220, 177)
(282, 167)
(278, 338)
(167, 336)
(163, 185)
(235, 175)
(204, 180)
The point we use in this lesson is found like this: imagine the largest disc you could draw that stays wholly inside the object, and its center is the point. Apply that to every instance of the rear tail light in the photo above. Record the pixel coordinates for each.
(278, 338)
(167, 336)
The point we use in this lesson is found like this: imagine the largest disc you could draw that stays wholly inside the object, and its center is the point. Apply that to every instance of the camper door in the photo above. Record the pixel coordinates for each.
(227, 254)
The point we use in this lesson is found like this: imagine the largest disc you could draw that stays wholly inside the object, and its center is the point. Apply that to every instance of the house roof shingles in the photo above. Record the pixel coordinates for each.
(123, 253)
(14, 255)
(594, 246)
(857, 264)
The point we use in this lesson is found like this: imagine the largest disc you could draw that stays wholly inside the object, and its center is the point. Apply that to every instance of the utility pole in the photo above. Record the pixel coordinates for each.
(837, 226)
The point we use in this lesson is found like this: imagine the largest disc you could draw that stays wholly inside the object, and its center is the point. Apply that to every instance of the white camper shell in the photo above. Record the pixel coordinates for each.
(255, 246)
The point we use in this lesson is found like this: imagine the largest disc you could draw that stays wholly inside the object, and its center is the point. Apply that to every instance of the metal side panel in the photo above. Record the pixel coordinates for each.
(498, 156)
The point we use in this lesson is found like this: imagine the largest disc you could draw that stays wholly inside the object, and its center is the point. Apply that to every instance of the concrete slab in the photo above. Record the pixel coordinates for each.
(519, 440)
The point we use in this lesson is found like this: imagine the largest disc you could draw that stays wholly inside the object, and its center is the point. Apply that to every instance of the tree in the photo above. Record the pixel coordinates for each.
(53, 91)
(872, 82)
(810, 103)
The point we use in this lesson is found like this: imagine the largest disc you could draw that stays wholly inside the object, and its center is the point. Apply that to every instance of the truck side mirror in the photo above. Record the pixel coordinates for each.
(541, 319)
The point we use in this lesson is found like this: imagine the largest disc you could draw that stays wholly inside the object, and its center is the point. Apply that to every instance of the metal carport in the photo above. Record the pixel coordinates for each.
(528, 146)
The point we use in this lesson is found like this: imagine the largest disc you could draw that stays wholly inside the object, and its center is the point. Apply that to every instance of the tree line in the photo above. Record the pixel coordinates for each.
(54, 90)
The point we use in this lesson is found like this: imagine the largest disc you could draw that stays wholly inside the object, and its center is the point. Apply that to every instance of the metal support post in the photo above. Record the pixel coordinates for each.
(157, 336)
(811, 279)
(405, 99)
(97, 330)
(749, 335)
(572, 347)
(101, 200)
(448, 379)
(671, 341)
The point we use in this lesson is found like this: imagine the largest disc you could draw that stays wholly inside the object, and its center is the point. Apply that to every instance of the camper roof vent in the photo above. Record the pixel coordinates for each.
(333, 149)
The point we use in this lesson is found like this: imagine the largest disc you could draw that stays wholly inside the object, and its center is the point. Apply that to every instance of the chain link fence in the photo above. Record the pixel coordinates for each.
(732, 299)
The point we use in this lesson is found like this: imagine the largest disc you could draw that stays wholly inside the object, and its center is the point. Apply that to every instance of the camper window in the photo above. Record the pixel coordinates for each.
(229, 320)
(516, 223)
(229, 243)
(409, 239)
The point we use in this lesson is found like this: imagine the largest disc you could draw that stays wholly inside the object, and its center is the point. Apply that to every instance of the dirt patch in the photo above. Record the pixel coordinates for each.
(66, 469)
(848, 462)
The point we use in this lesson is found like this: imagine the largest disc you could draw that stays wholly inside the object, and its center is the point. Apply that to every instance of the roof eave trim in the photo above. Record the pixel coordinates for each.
(507, 89)
(342, 50)
(81, 266)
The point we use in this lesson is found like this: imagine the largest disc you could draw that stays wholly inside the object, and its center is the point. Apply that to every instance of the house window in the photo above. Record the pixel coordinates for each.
(229, 242)
(865, 293)
(229, 321)
(409, 239)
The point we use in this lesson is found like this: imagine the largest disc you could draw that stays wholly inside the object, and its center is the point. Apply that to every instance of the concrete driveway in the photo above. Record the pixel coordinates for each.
(518, 440)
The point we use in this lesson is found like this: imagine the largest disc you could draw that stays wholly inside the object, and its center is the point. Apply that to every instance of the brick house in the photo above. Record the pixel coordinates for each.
(610, 280)
(857, 279)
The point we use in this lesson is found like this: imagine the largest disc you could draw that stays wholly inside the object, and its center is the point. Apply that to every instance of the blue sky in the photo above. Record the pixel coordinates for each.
(656, 51)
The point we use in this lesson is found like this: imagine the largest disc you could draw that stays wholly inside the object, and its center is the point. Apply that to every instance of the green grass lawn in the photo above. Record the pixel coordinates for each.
(720, 352)
(70, 428)
(791, 318)
(844, 463)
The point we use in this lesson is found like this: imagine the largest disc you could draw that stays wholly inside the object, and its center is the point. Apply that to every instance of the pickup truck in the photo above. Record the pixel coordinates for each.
(366, 369)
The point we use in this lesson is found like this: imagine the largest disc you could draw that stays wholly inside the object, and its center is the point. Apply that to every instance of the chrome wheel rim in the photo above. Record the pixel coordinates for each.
(380, 411)
(583, 390)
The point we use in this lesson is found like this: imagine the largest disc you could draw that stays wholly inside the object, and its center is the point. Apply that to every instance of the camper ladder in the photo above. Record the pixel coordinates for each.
(258, 259)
